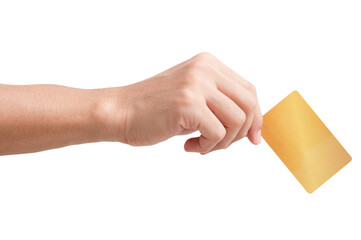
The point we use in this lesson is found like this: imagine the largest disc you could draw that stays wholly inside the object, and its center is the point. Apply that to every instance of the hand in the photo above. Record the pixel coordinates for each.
(199, 94)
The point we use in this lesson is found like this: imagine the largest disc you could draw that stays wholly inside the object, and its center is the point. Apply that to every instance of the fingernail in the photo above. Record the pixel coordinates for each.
(259, 137)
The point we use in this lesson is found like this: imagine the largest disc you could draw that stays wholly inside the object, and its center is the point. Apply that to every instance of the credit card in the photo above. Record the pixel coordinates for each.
(303, 142)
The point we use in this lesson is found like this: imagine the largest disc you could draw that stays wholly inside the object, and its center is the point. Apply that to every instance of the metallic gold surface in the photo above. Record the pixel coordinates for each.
(303, 142)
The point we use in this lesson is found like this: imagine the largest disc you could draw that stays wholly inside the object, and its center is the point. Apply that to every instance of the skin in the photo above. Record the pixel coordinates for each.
(200, 94)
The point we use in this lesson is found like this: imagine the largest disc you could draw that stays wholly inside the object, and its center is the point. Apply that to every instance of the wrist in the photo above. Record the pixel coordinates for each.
(109, 112)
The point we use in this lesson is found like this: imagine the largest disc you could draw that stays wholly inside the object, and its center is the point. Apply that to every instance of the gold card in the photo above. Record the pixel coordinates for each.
(303, 142)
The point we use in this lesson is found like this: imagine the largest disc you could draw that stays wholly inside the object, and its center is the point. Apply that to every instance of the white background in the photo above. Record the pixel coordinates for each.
(114, 191)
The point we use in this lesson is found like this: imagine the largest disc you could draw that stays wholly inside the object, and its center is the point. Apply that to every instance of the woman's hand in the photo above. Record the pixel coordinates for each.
(199, 94)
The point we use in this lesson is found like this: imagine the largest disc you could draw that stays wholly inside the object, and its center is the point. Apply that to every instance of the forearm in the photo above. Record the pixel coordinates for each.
(39, 117)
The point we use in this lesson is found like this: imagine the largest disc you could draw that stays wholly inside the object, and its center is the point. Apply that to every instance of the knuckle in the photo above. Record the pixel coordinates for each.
(219, 134)
(196, 66)
(185, 98)
(203, 56)
(251, 104)
(259, 117)
(205, 148)
(192, 74)
(238, 120)
(250, 87)
(241, 117)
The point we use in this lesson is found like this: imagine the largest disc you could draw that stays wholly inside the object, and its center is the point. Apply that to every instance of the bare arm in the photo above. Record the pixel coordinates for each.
(40, 117)
(199, 94)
